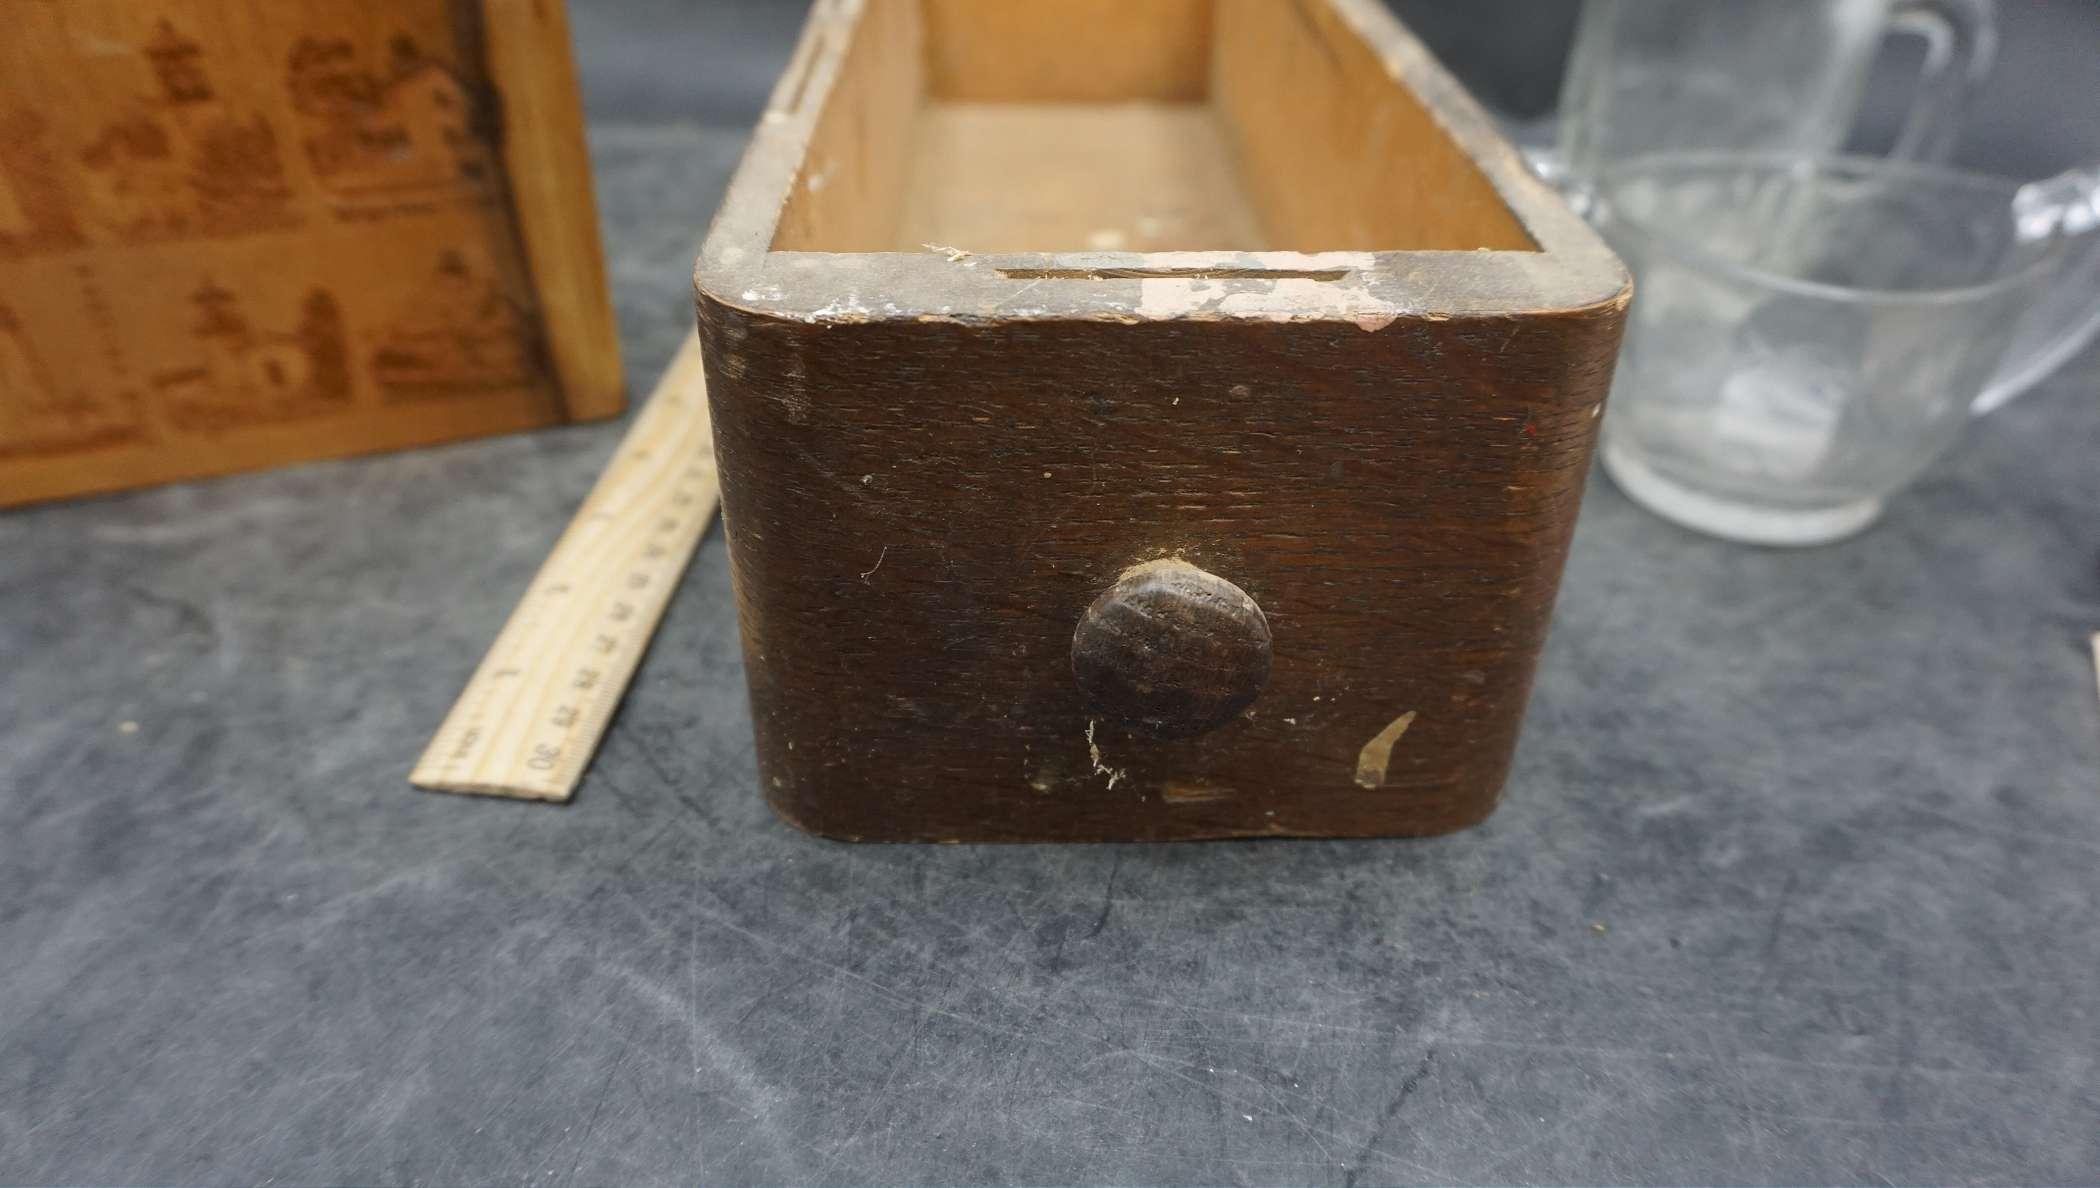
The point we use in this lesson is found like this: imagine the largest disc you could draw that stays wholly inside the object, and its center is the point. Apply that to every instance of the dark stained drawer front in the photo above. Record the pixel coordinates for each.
(1142, 421)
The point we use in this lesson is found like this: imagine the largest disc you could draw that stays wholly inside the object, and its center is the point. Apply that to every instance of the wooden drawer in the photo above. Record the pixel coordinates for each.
(1143, 419)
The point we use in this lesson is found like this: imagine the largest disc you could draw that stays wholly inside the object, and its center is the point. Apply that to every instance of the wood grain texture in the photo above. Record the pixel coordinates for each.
(934, 463)
(1057, 177)
(1398, 503)
(237, 235)
(851, 177)
(1338, 158)
(548, 167)
(1106, 51)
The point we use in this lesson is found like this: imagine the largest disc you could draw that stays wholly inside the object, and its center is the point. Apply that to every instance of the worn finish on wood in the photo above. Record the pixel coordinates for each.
(235, 235)
(1171, 650)
(935, 461)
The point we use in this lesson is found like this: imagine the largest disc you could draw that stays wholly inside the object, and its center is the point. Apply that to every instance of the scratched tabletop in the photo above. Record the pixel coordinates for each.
(1795, 880)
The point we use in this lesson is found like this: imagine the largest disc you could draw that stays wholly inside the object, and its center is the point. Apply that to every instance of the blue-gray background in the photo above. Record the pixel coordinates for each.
(714, 61)
(1796, 878)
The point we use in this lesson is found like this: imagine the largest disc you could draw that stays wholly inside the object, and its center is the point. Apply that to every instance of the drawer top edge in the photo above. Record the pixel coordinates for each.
(1371, 289)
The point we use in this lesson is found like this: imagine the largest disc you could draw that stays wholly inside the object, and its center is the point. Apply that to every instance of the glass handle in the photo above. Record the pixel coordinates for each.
(2057, 326)
(1961, 41)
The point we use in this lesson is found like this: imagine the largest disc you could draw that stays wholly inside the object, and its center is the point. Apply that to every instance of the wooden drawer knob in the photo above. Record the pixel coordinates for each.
(1171, 650)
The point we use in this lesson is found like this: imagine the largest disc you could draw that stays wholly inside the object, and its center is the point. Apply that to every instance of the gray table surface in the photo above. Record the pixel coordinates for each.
(1796, 879)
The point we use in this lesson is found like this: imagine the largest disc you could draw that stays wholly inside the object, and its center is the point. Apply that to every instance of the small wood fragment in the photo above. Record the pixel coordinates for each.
(1377, 754)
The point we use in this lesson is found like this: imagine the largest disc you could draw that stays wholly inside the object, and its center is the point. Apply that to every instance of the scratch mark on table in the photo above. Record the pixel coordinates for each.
(1392, 1110)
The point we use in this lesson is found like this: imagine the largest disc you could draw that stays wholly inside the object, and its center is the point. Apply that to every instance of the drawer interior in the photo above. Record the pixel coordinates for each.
(1125, 125)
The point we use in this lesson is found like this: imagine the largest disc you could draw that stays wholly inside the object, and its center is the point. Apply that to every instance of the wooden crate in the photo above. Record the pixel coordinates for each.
(1143, 419)
(234, 235)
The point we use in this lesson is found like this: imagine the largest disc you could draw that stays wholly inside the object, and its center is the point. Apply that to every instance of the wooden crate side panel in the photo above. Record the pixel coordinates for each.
(549, 173)
(234, 235)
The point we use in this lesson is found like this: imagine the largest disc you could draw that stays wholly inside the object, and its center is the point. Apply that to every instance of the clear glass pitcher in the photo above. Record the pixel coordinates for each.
(1808, 335)
(1756, 76)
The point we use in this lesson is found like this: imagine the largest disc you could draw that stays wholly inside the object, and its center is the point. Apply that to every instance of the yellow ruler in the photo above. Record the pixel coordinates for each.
(533, 713)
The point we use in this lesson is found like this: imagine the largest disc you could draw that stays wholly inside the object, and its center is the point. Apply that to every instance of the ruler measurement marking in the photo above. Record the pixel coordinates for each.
(591, 719)
(520, 732)
(518, 747)
(537, 705)
(594, 542)
(513, 741)
(472, 712)
(585, 716)
(523, 731)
